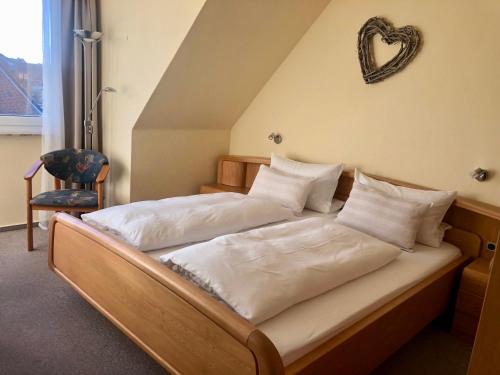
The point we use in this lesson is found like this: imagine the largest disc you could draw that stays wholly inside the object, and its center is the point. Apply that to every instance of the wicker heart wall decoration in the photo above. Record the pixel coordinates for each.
(408, 37)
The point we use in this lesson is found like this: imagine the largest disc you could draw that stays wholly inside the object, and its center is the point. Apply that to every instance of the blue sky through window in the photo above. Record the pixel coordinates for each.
(21, 29)
(21, 58)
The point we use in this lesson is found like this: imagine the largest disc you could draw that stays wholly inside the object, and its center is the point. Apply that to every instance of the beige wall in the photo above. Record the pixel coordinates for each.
(190, 66)
(430, 124)
(17, 153)
(139, 42)
(230, 52)
(171, 162)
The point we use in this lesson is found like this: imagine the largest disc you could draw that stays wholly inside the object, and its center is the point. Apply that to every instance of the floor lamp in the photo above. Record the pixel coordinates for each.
(88, 39)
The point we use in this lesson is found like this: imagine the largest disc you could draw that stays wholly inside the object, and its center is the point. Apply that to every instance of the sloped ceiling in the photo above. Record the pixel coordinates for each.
(230, 52)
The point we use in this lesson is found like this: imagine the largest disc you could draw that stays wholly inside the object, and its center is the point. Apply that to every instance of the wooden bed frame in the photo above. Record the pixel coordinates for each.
(188, 332)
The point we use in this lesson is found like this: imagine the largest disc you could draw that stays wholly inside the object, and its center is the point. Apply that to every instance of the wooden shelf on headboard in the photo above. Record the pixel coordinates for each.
(481, 208)
(239, 171)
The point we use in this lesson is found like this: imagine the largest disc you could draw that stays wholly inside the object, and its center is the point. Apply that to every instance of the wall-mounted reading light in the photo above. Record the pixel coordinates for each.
(276, 137)
(480, 174)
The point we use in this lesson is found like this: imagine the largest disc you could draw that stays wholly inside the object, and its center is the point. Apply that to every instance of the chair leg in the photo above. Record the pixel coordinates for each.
(29, 228)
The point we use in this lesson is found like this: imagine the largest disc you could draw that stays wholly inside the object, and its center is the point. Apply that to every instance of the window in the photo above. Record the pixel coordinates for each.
(21, 83)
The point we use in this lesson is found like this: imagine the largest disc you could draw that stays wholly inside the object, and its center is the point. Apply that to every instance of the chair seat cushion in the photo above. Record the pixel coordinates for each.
(66, 198)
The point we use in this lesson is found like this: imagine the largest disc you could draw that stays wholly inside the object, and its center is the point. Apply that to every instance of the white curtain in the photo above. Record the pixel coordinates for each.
(53, 135)
(63, 99)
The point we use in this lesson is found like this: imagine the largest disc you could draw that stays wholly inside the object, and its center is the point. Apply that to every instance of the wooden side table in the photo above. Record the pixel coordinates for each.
(470, 299)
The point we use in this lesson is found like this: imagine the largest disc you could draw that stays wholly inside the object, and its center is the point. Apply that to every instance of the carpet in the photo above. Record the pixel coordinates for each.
(47, 328)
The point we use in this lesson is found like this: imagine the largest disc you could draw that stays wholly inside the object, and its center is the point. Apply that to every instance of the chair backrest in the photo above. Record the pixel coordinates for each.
(80, 166)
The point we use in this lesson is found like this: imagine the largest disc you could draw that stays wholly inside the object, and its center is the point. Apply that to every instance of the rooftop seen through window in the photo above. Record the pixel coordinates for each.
(21, 83)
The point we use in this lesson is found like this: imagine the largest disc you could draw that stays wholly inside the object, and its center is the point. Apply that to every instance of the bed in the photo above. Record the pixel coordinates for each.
(188, 332)
(320, 318)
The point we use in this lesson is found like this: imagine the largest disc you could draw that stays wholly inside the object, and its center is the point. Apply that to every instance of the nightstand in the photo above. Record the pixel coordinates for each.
(470, 298)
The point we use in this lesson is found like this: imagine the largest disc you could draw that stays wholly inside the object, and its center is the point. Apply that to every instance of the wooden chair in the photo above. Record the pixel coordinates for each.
(72, 166)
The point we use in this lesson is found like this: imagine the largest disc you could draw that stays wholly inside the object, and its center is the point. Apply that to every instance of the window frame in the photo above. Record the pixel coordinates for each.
(20, 125)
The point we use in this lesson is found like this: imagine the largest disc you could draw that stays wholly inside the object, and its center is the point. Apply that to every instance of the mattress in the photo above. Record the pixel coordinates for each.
(307, 325)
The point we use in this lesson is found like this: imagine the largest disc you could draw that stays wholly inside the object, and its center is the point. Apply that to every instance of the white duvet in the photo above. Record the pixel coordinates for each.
(264, 271)
(150, 225)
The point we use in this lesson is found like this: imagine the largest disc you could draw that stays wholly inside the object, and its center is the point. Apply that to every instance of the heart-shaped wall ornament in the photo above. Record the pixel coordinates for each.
(408, 37)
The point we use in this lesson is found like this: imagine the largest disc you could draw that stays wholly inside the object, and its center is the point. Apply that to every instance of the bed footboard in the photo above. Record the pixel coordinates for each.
(182, 328)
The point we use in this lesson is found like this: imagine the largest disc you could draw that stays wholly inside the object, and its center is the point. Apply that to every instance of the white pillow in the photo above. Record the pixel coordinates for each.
(388, 218)
(431, 232)
(288, 190)
(326, 180)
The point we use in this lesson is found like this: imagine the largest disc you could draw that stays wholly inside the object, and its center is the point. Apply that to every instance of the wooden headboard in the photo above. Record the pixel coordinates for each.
(239, 171)
(475, 223)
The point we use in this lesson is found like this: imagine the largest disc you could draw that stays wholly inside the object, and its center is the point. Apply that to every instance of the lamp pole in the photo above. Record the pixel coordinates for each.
(88, 39)
(88, 123)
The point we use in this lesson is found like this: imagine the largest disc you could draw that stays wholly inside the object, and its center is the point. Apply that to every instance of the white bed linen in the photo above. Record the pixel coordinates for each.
(156, 254)
(307, 325)
(264, 271)
(149, 225)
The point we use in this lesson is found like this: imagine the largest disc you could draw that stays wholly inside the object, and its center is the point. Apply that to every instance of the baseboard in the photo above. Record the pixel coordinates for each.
(16, 227)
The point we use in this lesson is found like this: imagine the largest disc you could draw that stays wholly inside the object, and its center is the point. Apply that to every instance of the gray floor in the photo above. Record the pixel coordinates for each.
(46, 328)
(433, 352)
